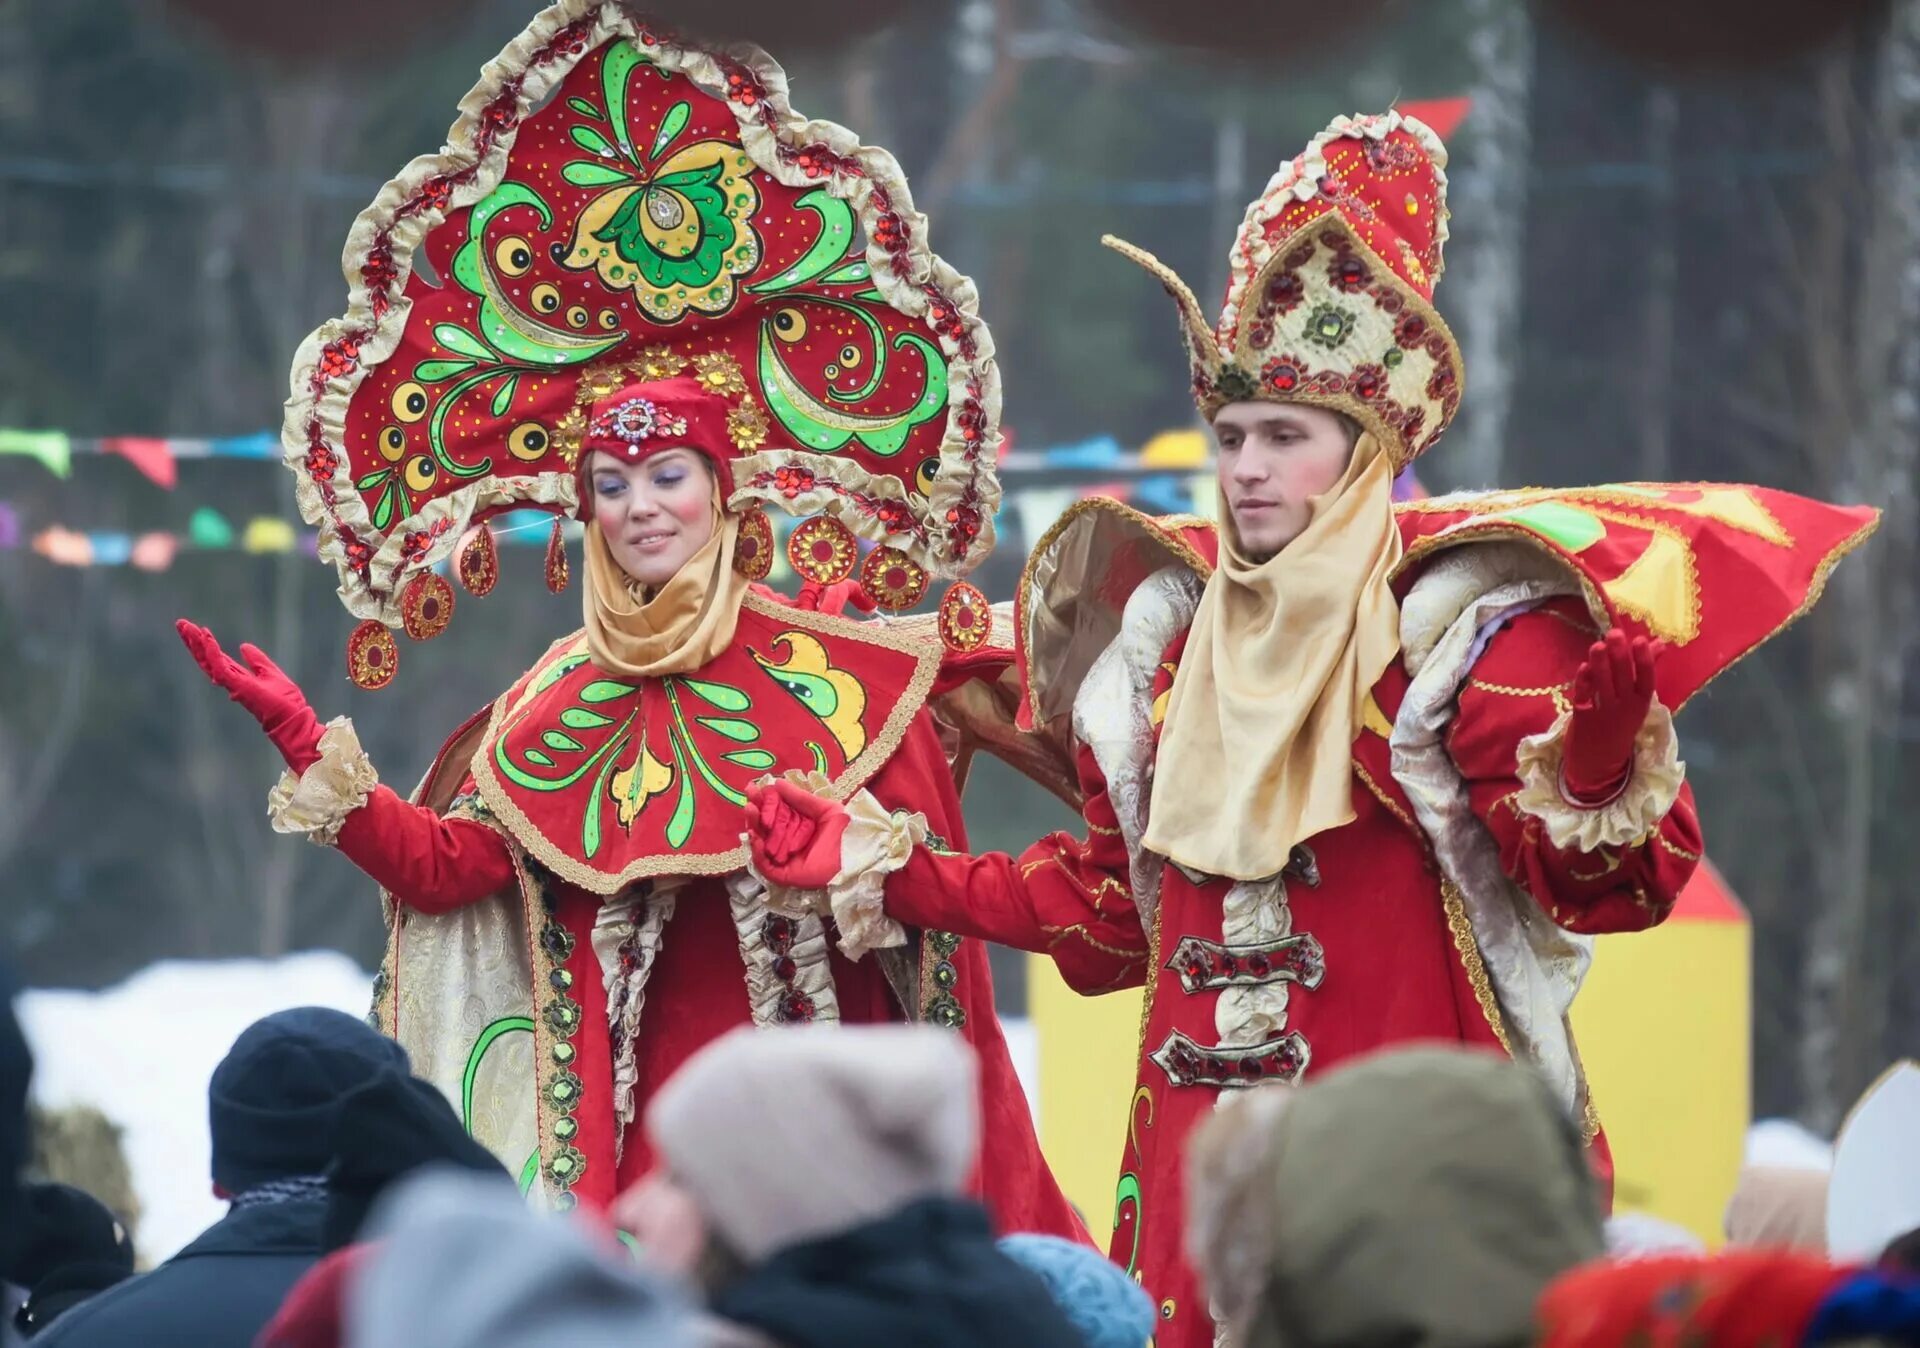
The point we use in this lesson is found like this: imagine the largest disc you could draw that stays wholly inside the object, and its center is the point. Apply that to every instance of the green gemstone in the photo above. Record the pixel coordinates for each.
(564, 1054)
(566, 1129)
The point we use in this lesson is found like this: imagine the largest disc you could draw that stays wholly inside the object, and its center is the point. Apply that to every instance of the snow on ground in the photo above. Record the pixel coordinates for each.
(141, 1053)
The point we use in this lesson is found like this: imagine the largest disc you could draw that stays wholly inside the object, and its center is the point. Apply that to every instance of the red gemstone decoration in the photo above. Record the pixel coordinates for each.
(373, 656)
(558, 570)
(892, 579)
(426, 606)
(753, 547)
(965, 619)
(479, 564)
(822, 551)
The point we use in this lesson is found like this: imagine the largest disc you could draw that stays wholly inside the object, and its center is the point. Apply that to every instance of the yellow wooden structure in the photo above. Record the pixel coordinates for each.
(1663, 1026)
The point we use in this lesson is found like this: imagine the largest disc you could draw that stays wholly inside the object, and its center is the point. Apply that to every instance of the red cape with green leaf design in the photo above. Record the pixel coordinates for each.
(609, 780)
(1711, 569)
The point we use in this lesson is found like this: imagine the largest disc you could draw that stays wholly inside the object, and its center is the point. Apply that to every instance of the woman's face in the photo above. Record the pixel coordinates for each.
(654, 514)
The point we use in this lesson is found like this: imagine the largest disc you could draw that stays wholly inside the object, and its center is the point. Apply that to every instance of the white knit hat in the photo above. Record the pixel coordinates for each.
(787, 1135)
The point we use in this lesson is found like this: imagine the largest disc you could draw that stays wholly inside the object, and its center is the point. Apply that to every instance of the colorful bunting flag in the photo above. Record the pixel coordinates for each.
(152, 457)
(52, 448)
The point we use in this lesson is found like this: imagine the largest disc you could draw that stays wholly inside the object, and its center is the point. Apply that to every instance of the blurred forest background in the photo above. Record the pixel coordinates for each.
(1680, 250)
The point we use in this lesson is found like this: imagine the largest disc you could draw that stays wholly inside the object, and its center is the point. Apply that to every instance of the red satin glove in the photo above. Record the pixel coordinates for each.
(273, 699)
(795, 835)
(1612, 691)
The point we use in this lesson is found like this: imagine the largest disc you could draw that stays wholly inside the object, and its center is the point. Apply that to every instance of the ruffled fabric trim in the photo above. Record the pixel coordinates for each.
(1629, 819)
(318, 801)
(878, 842)
(768, 994)
(628, 927)
(1254, 912)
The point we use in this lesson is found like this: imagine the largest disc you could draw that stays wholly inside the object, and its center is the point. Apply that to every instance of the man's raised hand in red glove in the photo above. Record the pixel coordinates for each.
(273, 699)
(1612, 692)
(794, 834)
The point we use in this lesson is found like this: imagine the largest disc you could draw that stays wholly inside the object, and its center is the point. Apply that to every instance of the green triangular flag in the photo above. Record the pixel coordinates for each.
(52, 448)
(208, 529)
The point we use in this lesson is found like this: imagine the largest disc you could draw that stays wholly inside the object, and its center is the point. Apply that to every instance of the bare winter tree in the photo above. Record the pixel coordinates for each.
(1487, 249)
(1863, 421)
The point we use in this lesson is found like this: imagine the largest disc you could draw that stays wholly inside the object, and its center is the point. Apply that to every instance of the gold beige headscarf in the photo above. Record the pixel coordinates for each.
(679, 627)
(1255, 755)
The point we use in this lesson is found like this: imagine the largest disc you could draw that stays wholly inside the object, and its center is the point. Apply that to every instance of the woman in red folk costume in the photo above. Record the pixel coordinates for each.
(659, 299)
(1352, 774)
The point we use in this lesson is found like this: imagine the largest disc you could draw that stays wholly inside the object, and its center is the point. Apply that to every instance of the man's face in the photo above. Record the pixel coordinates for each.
(1274, 459)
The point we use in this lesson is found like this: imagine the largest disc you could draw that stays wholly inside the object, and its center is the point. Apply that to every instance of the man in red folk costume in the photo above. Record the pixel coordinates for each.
(1351, 774)
(639, 288)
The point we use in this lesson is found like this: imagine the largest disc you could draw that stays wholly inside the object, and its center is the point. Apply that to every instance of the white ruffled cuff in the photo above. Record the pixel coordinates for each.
(877, 843)
(1629, 819)
(318, 801)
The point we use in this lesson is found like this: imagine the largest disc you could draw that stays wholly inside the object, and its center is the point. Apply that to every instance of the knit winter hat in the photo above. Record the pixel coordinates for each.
(1108, 1308)
(272, 1099)
(788, 1135)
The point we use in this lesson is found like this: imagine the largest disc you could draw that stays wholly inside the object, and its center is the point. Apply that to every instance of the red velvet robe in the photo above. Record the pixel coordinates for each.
(430, 863)
(1397, 959)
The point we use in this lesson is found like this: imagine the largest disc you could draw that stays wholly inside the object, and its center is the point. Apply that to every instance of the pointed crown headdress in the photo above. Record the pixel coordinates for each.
(1330, 288)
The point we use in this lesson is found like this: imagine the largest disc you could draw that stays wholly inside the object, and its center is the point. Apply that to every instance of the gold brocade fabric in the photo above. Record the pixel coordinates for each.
(680, 627)
(1255, 755)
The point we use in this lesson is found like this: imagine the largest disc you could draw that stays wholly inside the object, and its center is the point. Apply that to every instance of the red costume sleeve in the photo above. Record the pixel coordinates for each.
(1062, 897)
(426, 862)
(1519, 688)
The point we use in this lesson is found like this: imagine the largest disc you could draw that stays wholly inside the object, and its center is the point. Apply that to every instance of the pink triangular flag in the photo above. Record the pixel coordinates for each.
(152, 457)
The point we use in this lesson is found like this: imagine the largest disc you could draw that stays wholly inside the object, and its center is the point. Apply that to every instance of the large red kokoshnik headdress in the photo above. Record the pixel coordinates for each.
(615, 208)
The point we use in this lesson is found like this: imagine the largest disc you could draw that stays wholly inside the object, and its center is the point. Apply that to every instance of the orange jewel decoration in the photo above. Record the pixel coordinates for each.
(373, 656)
(479, 565)
(558, 570)
(965, 618)
(893, 579)
(426, 606)
(822, 550)
(753, 547)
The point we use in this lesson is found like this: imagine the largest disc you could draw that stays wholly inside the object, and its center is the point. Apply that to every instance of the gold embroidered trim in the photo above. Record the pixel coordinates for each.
(939, 976)
(1468, 946)
(1079, 929)
(1422, 548)
(1676, 849)
(1154, 972)
(1392, 805)
(1818, 587)
(557, 1087)
(1551, 690)
(853, 777)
